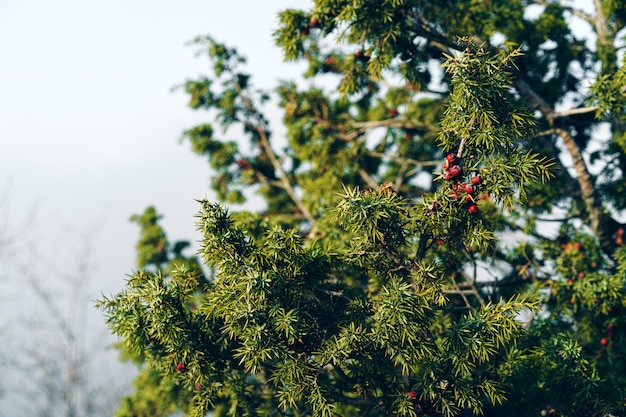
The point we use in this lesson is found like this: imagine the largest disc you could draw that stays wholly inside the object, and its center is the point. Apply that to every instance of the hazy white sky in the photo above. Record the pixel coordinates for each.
(89, 135)
(88, 126)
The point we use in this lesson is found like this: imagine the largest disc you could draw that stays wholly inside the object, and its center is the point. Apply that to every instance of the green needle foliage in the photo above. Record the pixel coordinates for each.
(440, 235)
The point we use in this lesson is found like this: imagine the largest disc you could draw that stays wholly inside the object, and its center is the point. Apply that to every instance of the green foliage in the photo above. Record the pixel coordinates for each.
(433, 243)
(152, 245)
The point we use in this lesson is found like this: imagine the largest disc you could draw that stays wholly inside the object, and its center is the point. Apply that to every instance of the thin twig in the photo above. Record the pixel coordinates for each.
(368, 179)
(572, 112)
(265, 144)
(398, 158)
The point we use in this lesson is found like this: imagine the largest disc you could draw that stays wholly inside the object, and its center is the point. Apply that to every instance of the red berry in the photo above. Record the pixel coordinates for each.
(454, 195)
(447, 175)
(446, 164)
(455, 170)
(570, 281)
(180, 367)
(477, 180)
(468, 198)
(436, 205)
(604, 341)
(439, 242)
(470, 189)
(314, 23)
(472, 209)
(393, 112)
(580, 275)
(578, 246)
(611, 335)
(610, 327)
(452, 159)
(412, 395)
(362, 56)
(305, 31)
(198, 387)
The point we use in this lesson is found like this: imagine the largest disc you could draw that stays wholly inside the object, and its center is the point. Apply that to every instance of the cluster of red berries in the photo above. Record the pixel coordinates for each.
(452, 171)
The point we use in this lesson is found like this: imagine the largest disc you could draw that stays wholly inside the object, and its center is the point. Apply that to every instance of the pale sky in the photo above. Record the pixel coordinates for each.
(89, 129)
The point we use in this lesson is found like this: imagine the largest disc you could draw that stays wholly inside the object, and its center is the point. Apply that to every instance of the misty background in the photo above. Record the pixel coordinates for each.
(89, 135)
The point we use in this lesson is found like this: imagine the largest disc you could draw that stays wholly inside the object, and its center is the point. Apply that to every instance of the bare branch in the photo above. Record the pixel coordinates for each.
(368, 179)
(597, 218)
(460, 292)
(572, 112)
(398, 123)
(403, 159)
(592, 201)
(576, 12)
(265, 144)
(534, 99)
(395, 122)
